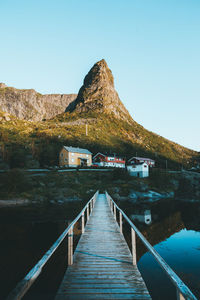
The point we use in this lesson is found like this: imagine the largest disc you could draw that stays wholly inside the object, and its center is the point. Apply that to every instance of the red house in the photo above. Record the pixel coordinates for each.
(135, 160)
(109, 161)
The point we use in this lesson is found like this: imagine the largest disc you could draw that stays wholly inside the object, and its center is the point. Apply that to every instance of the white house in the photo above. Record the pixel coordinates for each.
(143, 217)
(139, 170)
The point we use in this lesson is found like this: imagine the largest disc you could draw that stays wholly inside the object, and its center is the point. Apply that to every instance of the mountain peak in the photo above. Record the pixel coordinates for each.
(98, 93)
(99, 73)
(2, 85)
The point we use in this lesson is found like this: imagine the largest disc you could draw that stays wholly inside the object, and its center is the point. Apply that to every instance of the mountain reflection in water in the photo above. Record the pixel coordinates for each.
(175, 235)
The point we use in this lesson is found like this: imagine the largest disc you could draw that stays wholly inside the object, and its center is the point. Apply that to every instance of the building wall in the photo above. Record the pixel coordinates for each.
(138, 170)
(139, 174)
(74, 159)
(111, 164)
(71, 159)
(109, 161)
(63, 158)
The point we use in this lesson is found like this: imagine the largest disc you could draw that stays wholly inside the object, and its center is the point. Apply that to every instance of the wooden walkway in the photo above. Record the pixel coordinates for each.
(103, 267)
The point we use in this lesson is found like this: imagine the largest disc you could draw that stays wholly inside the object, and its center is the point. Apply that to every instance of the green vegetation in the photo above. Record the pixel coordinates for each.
(80, 185)
(106, 133)
(187, 188)
(160, 180)
(59, 188)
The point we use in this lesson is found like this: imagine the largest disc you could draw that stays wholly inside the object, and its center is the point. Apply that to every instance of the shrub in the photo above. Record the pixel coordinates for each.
(185, 188)
(15, 181)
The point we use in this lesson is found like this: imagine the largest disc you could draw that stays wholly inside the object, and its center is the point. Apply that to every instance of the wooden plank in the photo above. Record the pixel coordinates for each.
(103, 265)
(183, 292)
(109, 290)
(120, 296)
(24, 285)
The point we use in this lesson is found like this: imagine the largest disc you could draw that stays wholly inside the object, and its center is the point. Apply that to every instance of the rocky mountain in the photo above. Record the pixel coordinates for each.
(98, 94)
(110, 128)
(29, 105)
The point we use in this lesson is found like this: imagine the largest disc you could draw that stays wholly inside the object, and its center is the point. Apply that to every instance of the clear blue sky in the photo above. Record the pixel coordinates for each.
(152, 48)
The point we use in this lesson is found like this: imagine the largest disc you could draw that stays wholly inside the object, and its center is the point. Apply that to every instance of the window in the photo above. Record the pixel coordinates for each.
(111, 158)
(72, 154)
(72, 159)
(87, 155)
(65, 159)
(61, 154)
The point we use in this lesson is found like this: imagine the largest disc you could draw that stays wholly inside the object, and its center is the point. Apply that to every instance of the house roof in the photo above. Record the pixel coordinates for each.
(108, 155)
(141, 158)
(77, 150)
(137, 164)
(99, 154)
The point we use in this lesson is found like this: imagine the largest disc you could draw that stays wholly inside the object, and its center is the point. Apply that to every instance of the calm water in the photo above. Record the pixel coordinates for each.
(25, 235)
(182, 252)
(174, 232)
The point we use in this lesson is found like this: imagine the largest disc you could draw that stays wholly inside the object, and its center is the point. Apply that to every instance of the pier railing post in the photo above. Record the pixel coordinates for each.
(115, 216)
(120, 222)
(82, 223)
(133, 242)
(90, 204)
(179, 295)
(87, 212)
(93, 202)
(70, 247)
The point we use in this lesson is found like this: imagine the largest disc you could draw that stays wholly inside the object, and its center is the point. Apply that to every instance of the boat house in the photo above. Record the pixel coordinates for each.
(138, 170)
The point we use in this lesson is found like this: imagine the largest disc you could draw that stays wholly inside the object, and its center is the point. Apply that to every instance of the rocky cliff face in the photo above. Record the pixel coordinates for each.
(98, 93)
(32, 106)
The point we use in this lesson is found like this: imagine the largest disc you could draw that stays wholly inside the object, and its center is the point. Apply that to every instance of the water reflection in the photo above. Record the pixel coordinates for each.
(142, 216)
(171, 226)
(182, 252)
(174, 232)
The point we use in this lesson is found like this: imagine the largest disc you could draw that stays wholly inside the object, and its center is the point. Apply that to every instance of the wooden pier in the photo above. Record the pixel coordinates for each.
(103, 267)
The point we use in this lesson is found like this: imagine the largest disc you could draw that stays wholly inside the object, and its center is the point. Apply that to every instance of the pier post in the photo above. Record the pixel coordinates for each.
(120, 222)
(82, 223)
(180, 296)
(112, 206)
(70, 246)
(133, 242)
(87, 212)
(115, 213)
(93, 203)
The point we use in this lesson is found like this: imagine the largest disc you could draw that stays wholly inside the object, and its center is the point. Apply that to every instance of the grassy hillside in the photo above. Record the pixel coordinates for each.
(43, 140)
